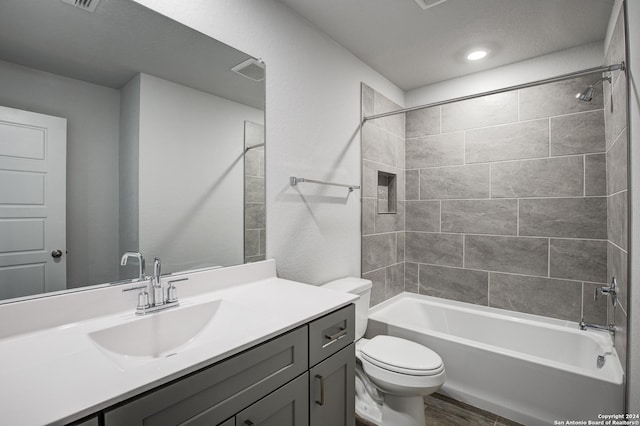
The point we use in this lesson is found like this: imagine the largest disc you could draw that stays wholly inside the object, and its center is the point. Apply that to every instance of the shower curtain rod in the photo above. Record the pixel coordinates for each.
(562, 77)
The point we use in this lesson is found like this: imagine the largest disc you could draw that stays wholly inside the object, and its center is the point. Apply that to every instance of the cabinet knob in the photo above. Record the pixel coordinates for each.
(249, 423)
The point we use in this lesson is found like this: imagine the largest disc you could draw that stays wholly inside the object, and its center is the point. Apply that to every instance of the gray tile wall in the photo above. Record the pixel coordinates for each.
(383, 234)
(507, 200)
(254, 207)
(615, 118)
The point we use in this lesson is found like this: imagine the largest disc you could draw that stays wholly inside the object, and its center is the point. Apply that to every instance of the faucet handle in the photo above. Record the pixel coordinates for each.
(172, 291)
(143, 300)
(143, 297)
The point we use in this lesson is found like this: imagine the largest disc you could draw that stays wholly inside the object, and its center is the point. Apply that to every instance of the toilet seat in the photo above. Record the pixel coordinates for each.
(401, 356)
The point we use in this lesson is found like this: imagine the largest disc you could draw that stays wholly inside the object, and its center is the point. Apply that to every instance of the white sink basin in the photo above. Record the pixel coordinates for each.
(161, 334)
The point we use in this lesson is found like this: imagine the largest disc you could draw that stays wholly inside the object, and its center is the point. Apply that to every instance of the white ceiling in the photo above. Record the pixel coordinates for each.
(414, 47)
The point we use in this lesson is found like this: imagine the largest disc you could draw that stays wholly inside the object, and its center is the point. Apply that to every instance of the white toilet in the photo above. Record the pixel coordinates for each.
(397, 373)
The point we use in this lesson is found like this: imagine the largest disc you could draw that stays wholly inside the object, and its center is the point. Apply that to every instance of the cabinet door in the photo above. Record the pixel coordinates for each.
(332, 390)
(288, 406)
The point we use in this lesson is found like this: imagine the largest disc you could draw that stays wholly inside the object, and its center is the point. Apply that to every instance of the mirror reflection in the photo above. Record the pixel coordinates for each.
(122, 130)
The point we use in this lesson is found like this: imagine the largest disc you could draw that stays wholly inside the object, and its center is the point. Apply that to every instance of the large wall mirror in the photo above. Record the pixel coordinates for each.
(122, 130)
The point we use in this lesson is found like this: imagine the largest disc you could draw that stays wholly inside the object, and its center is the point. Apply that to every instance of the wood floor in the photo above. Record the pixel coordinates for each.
(443, 411)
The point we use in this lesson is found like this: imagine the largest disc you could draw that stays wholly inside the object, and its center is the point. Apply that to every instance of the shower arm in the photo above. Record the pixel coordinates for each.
(605, 78)
(606, 68)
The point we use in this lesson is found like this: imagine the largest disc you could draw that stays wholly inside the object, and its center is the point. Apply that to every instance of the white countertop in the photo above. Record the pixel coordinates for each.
(58, 375)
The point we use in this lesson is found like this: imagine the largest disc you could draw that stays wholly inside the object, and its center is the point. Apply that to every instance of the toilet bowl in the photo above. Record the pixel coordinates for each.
(393, 374)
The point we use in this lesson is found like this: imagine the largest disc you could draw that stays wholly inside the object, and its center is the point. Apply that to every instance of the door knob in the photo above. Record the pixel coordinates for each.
(57, 253)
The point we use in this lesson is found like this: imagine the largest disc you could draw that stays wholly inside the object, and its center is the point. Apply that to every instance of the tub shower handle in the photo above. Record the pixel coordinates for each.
(610, 290)
(320, 381)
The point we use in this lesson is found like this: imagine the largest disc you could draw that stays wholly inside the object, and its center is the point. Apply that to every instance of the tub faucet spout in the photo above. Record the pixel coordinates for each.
(611, 328)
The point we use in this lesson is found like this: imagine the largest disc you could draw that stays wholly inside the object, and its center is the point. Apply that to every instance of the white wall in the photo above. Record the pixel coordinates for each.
(191, 175)
(128, 182)
(312, 119)
(92, 163)
(633, 78)
(576, 59)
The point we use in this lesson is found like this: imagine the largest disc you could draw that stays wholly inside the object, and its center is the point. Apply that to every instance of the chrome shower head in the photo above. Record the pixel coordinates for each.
(587, 94)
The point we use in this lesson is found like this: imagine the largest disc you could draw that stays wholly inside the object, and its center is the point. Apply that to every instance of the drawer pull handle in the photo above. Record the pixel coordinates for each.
(336, 336)
(249, 423)
(320, 379)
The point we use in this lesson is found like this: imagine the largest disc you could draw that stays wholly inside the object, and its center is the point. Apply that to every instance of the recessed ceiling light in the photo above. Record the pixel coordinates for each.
(476, 55)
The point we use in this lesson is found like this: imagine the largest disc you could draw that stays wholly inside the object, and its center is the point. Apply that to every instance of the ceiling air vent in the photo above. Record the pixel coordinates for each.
(426, 4)
(88, 5)
(251, 68)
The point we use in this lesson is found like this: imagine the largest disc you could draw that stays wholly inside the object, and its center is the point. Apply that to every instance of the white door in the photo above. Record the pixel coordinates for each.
(33, 159)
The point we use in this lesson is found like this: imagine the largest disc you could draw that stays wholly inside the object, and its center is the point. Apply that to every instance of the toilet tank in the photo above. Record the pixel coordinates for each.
(362, 288)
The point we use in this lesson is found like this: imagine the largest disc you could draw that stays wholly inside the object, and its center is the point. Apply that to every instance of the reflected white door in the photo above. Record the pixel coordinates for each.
(33, 157)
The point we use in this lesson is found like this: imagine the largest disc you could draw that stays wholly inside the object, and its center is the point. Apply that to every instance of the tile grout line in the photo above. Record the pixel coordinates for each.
(549, 257)
(488, 271)
(505, 236)
(514, 160)
(509, 123)
(464, 242)
(488, 288)
(582, 302)
(584, 175)
(517, 217)
(549, 135)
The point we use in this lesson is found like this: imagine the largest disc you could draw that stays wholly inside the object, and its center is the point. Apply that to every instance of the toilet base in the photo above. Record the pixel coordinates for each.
(386, 409)
(368, 401)
(403, 410)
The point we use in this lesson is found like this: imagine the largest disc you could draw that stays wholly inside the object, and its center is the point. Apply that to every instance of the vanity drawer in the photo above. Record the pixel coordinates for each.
(332, 332)
(216, 393)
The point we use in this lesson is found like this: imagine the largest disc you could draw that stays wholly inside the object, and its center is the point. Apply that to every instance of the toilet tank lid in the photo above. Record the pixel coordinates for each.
(349, 285)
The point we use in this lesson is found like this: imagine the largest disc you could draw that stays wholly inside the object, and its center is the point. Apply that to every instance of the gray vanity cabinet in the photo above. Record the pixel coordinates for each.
(271, 384)
(215, 394)
(288, 406)
(332, 373)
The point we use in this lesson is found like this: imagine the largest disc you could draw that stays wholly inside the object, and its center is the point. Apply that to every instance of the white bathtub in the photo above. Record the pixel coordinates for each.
(527, 368)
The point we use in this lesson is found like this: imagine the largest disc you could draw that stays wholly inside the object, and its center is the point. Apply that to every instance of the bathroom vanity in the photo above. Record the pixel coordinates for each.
(289, 361)
(270, 384)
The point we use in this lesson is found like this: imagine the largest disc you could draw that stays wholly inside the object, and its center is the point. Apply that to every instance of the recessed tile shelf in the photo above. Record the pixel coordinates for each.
(387, 193)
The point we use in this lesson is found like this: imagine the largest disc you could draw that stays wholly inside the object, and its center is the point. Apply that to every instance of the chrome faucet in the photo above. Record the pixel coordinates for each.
(152, 296)
(135, 254)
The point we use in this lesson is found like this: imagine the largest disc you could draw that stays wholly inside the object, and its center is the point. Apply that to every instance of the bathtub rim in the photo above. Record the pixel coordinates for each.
(611, 372)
